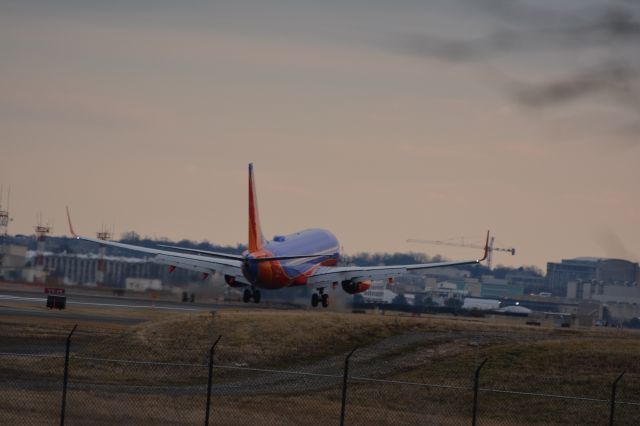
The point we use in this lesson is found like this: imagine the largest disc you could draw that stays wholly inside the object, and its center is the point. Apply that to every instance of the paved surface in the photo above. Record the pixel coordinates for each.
(108, 301)
(17, 312)
(98, 308)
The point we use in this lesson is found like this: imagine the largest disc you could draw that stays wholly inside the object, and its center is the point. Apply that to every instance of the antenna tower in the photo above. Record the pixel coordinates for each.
(41, 235)
(4, 213)
(104, 235)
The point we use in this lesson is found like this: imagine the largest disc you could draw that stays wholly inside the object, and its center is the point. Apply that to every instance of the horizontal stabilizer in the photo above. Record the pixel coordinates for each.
(302, 256)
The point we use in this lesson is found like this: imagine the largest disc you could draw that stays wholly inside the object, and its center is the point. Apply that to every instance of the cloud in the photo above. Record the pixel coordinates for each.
(618, 81)
(577, 54)
(612, 244)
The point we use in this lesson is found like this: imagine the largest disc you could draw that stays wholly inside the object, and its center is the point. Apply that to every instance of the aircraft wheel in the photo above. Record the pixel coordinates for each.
(256, 296)
(314, 299)
(246, 296)
(325, 300)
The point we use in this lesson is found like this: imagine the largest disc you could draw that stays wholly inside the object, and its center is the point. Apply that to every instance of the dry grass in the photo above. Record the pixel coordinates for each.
(274, 337)
(575, 362)
(107, 409)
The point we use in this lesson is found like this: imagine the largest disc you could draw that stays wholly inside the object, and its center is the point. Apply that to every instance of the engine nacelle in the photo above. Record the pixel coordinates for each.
(233, 282)
(355, 287)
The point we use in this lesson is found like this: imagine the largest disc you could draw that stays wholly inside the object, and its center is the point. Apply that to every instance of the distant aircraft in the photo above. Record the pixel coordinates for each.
(305, 258)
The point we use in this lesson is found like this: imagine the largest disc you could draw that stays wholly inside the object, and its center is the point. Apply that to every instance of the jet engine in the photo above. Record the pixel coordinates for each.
(354, 286)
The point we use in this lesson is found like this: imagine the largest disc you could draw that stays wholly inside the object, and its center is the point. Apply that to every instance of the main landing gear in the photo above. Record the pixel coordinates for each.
(320, 298)
(251, 294)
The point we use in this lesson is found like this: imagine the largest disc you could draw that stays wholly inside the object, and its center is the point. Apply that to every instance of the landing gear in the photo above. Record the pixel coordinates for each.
(320, 298)
(251, 294)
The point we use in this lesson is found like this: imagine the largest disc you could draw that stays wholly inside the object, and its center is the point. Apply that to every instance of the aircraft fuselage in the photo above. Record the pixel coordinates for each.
(275, 274)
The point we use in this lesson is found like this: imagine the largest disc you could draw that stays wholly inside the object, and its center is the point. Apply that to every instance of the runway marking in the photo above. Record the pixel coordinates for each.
(71, 302)
(6, 296)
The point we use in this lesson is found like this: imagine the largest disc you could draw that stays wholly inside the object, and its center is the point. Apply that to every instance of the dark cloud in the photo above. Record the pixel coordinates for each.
(619, 81)
(612, 245)
(607, 32)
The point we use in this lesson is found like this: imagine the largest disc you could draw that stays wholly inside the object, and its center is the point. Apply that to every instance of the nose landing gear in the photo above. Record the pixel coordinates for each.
(251, 294)
(320, 298)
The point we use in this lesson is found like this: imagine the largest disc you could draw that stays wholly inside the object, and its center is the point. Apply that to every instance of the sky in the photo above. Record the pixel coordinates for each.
(143, 115)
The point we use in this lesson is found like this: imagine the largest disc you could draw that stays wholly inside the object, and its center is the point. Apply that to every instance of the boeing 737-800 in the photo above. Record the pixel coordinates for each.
(305, 258)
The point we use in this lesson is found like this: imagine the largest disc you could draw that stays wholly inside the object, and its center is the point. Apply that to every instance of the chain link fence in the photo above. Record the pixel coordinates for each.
(153, 386)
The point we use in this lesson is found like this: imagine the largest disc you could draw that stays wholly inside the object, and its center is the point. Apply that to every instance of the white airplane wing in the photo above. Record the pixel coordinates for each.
(230, 265)
(327, 274)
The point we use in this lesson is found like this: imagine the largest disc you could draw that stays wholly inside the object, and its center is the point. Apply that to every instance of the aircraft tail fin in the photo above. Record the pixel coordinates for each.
(256, 239)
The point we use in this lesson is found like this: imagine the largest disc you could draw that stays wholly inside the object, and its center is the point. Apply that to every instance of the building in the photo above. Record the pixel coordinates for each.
(559, 305)
(142, 284)
(487, 286)
(499, 291)
(589, 269)
(497, 288)
(12, 261)
(80, 269)
(481, 304)
(619, 300)
(438, 293)
(447, 274)
(531, 284)
(378, 293)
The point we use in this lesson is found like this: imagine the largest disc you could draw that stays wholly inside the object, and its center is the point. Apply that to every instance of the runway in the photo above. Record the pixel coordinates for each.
(55, 314)
(77, 300)
(97, 307)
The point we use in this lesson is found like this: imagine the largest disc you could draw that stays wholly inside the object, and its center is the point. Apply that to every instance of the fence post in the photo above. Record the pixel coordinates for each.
(613, 397)
(66, 376)
(344, 386)
(476, 384)
(206, 419)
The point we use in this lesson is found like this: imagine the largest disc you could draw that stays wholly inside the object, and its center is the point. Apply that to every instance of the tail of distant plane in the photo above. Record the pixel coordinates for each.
(256, 239)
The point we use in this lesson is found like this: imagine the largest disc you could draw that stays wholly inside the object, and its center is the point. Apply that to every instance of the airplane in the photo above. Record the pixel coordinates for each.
(304, 258)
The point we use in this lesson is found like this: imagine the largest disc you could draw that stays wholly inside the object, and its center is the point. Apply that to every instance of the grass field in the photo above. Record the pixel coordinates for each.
(409, 351)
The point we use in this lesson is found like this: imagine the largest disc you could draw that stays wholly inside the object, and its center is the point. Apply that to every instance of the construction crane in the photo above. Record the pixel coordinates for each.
(450, 243)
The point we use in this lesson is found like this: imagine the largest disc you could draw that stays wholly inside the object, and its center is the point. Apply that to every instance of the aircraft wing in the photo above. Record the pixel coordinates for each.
(194, 262)
(326, 274)
(338, 274)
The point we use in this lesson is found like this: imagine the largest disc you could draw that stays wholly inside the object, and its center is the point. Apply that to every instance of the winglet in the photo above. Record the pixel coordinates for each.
(70, 225)
(486, 249)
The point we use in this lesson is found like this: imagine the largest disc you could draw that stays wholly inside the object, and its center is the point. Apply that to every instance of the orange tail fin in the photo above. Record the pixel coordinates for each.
(256, 240)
